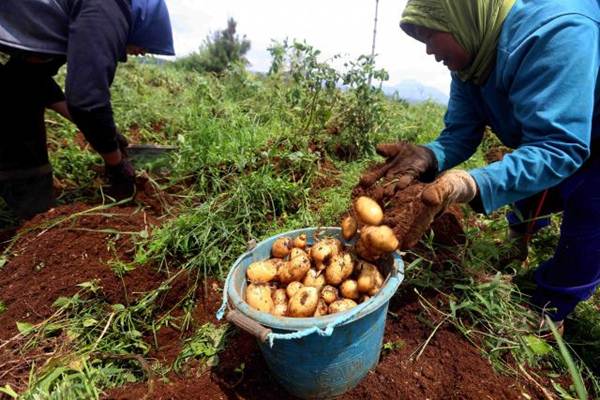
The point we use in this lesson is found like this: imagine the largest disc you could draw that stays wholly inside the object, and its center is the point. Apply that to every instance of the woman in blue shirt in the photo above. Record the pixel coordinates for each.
(529, 70)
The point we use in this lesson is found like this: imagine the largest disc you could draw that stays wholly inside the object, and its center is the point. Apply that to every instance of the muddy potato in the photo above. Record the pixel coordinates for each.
(329, 294)
(341, 267)
(281, 247)
(349, 289)
(364, 251)
(300, 241)
(382, 238)
(336, 246)
(341, 305)
(368, 211)
(292, 288)
(258, 296)
(279, 296)
(304, 302)
(321, 252)
(296, 252)
(369, 278)
(294, 270)
(322, 308)
(364, 298)
(280, 310)
(261, 272)
(314, 278)
(349, 227)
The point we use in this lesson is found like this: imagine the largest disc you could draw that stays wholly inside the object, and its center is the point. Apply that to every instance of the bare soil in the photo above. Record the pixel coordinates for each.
(449, 368)
(49, 262)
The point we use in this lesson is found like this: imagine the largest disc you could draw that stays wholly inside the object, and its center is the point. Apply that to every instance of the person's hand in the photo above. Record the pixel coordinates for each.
(405, 163)
(123, 144)
(121, 178)
(454, 186)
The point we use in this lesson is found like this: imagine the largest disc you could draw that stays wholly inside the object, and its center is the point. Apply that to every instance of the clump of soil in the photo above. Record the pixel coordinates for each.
(66, 246)
(449, 368)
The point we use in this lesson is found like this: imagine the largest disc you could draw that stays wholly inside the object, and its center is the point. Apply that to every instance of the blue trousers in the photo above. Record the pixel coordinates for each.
(573, 273)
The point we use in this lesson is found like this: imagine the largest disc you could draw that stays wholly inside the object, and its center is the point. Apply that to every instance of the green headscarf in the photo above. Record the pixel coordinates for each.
(475, 24)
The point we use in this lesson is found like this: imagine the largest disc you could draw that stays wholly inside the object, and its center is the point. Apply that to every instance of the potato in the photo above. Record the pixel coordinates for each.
(294, 270)
(364, 298)
(341, 305)
(261, 272)
(292, 288)
(329, 294)
(314, 278)
(281, 247)
(280, 297)
(382, 238)
(321, 252)
(300, 241)
(374, 291)
(349, 289)
(280, 310)
(369, 278)
(336, 246)
(322, 308)
(364, 251)
(258, 296)
(349, 227)
(340, 268)
(368, 211)
(295, 252)
(304, 302)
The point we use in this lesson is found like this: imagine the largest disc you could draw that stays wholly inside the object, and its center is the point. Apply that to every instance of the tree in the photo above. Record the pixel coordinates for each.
(220, 50)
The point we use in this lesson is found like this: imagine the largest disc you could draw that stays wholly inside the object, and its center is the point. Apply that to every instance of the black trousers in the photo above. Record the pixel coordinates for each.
(25, 172)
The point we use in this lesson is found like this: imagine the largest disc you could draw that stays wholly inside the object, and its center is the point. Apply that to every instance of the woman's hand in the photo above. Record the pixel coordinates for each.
(405, 163)
(454, 186)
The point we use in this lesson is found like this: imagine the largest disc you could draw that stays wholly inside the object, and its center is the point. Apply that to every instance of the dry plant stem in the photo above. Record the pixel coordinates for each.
(545, 391)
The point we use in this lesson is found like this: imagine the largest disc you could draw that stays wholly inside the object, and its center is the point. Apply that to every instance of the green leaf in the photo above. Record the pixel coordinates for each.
(89, 322)
(3, 261)
(24, 328)
(539, 346)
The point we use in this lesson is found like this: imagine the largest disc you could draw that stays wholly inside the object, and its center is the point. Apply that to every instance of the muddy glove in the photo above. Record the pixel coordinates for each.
(405, 163)
(121, 178)
(454, 186)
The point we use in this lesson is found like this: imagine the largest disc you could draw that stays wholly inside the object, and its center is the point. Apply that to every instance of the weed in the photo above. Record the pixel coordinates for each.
(204, 346)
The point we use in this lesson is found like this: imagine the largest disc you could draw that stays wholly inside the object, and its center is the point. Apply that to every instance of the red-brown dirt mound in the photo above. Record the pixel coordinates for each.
(49, 261)
(449, 368)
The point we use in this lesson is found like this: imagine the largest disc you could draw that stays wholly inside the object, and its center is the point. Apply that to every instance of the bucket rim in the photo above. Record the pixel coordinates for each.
(391, 284)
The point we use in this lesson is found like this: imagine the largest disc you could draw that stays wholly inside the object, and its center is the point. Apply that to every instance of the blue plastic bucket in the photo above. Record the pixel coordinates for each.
(319, 357)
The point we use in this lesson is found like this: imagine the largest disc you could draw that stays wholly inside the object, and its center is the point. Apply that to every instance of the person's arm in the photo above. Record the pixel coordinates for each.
(552, 93)
(61, 108)
(97, 41)
(55, 98)
(464, 127)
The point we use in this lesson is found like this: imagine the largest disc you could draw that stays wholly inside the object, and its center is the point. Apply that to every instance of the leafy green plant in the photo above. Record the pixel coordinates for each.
(204, 345)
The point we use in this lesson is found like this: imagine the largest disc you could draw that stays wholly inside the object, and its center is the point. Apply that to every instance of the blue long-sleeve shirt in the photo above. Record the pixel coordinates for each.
(542, 99)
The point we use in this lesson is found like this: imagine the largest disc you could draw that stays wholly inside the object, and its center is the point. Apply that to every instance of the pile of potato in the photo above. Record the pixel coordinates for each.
(303, 281)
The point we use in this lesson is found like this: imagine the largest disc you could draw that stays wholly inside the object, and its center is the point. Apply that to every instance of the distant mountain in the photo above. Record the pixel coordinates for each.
(415, 92)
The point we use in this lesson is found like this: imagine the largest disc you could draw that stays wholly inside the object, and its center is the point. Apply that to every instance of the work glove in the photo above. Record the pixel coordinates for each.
(405, 163)
(454, 186)
(121, 178)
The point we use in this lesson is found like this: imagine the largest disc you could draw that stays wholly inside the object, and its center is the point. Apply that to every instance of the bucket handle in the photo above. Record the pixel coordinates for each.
(248, 324)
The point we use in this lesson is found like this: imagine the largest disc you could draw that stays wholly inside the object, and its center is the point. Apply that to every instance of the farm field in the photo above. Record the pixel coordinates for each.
(103, 300)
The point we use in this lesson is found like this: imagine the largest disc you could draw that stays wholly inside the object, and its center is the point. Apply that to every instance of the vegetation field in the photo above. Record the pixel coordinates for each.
(117, 300)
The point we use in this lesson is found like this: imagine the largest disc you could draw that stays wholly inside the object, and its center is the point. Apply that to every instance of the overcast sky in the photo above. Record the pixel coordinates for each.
(333, 26)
